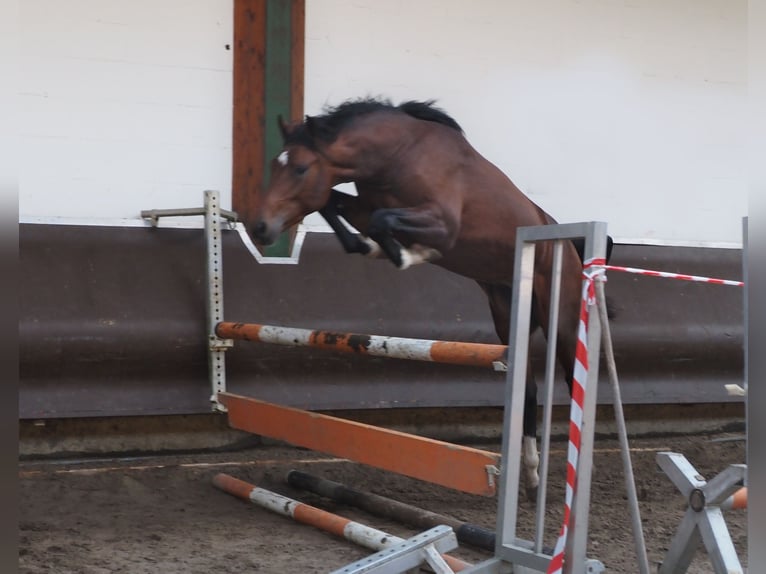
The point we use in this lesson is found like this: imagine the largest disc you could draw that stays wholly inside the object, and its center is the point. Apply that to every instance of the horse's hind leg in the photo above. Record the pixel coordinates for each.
(569, 310)
(499, 297)
(529, 456)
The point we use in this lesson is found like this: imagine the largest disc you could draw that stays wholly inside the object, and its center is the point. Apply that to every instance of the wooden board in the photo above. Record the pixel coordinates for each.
(459, 467)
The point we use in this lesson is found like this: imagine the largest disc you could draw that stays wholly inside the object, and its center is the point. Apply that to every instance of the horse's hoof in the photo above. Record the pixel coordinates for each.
(532, 494)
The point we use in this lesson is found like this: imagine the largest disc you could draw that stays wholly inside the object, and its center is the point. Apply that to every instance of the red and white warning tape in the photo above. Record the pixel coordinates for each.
(592, 269)
(674, 275)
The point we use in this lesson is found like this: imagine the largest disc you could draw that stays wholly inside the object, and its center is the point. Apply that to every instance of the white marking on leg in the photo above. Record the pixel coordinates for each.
(417, 254)
(375, 250)
(283, 158)
(531, 461)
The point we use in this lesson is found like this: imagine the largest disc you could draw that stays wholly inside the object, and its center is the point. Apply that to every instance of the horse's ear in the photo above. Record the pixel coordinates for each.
(283, 127)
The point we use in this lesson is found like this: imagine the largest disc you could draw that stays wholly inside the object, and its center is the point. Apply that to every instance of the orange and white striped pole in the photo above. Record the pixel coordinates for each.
(352, 531)
(452, 352)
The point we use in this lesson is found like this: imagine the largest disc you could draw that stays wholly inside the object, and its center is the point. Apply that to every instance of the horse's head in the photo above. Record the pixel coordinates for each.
(301, 179)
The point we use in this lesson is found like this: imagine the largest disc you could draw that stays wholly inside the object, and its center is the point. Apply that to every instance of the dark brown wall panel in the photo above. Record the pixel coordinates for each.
(112, 323)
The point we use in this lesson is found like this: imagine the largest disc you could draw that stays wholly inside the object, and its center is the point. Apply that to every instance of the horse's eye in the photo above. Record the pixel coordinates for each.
(300, 169)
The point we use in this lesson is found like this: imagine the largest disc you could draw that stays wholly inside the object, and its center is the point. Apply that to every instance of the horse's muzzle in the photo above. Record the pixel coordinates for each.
(262, 234)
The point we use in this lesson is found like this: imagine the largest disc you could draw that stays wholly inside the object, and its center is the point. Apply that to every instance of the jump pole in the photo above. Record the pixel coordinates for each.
(737, 501)
(450, 352)
(352, 531)
(459, 467)
(462, 468)
(392, 509)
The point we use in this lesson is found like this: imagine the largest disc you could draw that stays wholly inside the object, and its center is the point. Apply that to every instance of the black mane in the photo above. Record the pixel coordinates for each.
(430, 113)
(326, 127)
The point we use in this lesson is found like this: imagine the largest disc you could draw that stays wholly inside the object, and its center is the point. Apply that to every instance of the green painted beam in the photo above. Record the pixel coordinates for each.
(278, 68)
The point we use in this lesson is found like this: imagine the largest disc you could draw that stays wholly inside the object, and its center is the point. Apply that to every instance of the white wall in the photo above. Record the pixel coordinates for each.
(125, 106)
(626, 112)
(622, 111)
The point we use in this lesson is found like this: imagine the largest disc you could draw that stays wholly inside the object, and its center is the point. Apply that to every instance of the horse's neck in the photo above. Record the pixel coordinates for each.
(365, 154)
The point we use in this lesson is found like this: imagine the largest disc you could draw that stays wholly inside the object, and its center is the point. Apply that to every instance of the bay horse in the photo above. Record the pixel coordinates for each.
(424, 195)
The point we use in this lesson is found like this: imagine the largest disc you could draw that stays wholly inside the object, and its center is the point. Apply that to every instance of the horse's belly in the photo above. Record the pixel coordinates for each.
(480, 263)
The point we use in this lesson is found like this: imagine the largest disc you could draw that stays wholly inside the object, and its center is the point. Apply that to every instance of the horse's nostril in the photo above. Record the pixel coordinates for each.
(259, 229)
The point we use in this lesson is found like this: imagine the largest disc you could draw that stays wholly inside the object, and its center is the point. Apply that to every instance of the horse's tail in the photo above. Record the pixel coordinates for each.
(579, 245)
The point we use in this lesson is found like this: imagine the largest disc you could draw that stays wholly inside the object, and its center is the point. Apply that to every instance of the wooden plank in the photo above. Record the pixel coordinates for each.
(268, 81)
(248, 106)
(459, 467)
(278, 76)
(297, 58)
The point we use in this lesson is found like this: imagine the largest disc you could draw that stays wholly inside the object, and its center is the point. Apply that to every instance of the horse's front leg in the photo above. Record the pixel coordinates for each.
(351, 242)
(428, 235)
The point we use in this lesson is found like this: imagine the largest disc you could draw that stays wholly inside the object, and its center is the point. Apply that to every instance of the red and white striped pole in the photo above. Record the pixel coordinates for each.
(355, 532)
(670, 275)
(591, 269)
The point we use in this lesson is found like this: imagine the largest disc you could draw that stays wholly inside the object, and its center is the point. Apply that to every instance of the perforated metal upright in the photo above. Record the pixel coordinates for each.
(213, 214)
(510, 551)
(216, 346)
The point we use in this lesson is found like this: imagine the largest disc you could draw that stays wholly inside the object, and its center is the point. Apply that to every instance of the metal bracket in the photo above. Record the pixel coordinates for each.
(154, 215)
(703, 519)
(424, 547)
(492, 472)
(218, 344)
